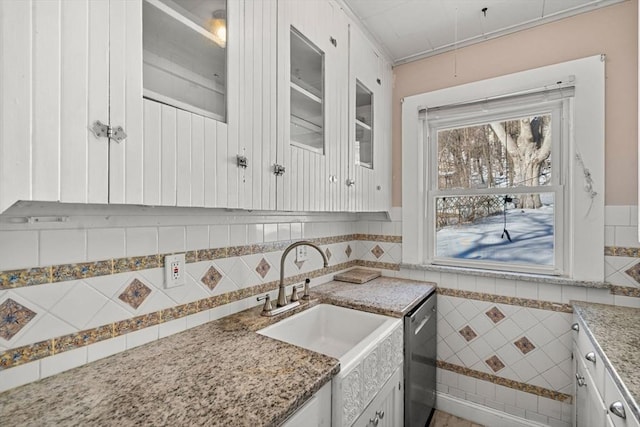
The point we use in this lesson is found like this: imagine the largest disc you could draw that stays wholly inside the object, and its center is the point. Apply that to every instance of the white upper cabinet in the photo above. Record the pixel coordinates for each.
(71, 66)
(312, 97)
(369, 126)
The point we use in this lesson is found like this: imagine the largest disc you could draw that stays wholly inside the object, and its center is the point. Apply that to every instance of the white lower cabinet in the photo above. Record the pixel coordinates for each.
(315, 413)
(386, 409)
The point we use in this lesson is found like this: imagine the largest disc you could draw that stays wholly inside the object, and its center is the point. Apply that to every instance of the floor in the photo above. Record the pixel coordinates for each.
(442, 419)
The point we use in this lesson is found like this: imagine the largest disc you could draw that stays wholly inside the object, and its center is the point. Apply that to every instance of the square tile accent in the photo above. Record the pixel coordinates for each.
(495, 363)
(524, 345)
(495, 315)
(377, 251)
(348, 251)
(263, 268)
(468, 333)
(299, 264)
(328, 254)
(634, 272)
(13, 317)
(135, 294)
(211, 278)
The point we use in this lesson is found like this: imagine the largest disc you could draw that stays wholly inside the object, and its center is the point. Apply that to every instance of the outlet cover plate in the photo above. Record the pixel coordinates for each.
(174, 270)
(301, 253)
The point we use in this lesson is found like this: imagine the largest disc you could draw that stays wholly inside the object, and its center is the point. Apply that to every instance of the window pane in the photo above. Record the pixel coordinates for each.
(501, 154)
(496, 228)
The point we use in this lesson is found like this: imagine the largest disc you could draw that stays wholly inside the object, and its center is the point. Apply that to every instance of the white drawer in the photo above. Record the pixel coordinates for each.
(585, 351)
(612, 395)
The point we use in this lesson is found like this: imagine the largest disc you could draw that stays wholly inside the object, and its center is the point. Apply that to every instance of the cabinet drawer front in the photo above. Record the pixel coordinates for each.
(612, 395)
(586, 352)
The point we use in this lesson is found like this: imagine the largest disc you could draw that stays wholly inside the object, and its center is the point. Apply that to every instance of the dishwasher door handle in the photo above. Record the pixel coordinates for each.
(422, 323)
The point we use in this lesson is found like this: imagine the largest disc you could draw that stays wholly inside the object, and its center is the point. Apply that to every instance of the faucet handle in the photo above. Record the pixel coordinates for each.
(294, 293)
(267, 303)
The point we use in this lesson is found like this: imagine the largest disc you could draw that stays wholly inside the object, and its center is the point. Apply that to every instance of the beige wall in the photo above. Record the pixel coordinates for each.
(611, 30)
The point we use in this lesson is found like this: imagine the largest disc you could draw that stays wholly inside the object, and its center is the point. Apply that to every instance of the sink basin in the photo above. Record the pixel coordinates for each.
(339, 332)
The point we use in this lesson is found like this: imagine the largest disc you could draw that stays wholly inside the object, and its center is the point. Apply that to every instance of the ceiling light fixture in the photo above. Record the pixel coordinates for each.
(218, 27)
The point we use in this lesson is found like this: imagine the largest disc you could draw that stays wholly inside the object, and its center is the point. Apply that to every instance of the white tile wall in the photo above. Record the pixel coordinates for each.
(105, 243)
(18, 249)
(62, 246)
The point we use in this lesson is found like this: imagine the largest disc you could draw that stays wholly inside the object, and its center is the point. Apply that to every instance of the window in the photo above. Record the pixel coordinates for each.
(496, 183)
(507, 174)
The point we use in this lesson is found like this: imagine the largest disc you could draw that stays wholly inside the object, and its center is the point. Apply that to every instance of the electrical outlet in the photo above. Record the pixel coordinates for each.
(174, 272)
(301, 253)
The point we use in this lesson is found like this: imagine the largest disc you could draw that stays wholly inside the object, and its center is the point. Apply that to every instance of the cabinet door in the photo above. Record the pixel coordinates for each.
(369, 133)
(386, 408)
(190, 137)
(590, 411)
(312, 76)
(55, 85)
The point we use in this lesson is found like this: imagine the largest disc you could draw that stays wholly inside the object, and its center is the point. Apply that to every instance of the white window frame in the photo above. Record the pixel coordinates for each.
(520, 106)
(582, 234)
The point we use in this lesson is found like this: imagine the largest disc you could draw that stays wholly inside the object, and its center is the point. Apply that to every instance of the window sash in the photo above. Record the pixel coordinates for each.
(558, 109)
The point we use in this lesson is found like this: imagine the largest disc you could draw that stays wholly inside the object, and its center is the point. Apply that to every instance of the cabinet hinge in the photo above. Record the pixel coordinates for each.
(101, 130)
(278, 169)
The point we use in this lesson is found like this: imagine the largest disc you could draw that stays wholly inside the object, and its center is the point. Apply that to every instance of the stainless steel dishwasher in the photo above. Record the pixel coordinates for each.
(420, 363)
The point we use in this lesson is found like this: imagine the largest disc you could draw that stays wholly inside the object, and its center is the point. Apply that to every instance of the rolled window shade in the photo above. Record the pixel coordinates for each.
(495, 105)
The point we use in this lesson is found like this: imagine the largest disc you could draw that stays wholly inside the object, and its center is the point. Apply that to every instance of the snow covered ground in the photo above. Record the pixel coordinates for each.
(531, 232)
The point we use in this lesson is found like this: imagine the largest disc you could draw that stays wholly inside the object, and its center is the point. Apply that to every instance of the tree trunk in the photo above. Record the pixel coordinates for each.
(527, 152)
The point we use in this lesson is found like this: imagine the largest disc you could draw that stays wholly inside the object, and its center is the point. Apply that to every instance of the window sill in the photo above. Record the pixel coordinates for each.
(525, 277)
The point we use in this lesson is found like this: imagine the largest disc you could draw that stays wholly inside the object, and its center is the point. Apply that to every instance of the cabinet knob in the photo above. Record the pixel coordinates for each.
(333, 41)
(617, 408)
(575, 327)
(591, 357)
(380, 414)
(374, 421)
(350, 182)
(580, 380)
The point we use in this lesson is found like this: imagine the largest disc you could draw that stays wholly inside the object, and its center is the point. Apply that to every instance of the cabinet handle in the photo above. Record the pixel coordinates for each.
(618, 409)
(380, 414)
(580, 380)
(575, 327)
(591, 357)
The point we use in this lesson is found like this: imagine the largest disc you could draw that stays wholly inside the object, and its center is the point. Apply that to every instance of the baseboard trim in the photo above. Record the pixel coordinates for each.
(480, 414)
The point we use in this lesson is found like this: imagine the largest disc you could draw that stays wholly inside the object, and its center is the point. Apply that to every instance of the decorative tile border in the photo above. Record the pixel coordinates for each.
(59, 273)
(376, 264)
(29, 353)
(626, 291)
(516, 385)
(622, 251)
(521, 302)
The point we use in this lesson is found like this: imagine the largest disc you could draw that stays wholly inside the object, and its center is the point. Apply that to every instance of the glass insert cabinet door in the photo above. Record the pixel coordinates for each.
(184, 55)
(364, 126)
(307, 94)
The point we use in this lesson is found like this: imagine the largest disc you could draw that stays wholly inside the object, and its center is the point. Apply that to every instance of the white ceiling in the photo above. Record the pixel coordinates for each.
(412, 29)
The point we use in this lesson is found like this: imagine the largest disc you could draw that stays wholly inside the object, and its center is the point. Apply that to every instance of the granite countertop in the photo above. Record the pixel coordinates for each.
(218, 374)
(384, 295)
(615, 332)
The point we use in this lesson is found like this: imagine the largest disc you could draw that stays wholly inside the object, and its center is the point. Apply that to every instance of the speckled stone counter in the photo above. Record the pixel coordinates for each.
(615, 333)
(384, 295)
(218, 374)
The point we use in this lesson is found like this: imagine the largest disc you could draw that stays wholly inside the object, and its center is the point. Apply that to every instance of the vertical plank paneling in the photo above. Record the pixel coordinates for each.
(269, 107)
(183, 158)
(97, 98)
(117, 88)
(75, 139)
(254, 47)
(305, 176)
(211, 164)
(133, 105)
(197, 178)
(46, 100)
(235, 14)
(284, 107)
(168, 156)
(152, 145)
(15, 138)
(222, 165)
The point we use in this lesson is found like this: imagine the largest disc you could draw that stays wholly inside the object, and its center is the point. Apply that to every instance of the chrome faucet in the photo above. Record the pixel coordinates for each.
(282, 297)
